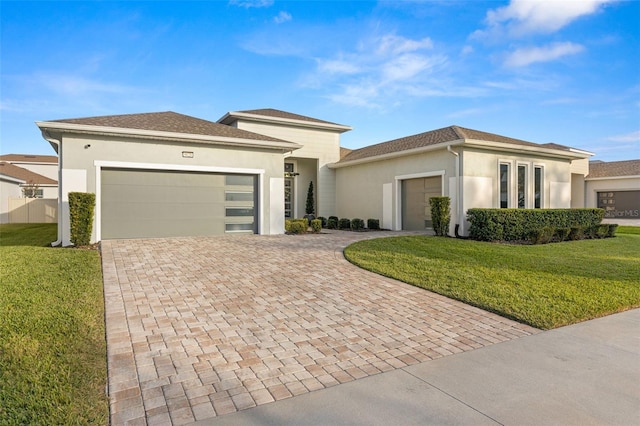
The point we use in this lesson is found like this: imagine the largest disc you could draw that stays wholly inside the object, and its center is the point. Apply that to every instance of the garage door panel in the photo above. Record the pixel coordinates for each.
(416, 209)
(151, 203)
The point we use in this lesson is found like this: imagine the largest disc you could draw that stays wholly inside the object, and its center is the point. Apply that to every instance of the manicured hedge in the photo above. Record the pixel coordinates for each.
(519, 224)
(373, 223)
(81, 207)
(316, 226)
(440, 215)
(296, 226)
(357, 224)
(344, 223)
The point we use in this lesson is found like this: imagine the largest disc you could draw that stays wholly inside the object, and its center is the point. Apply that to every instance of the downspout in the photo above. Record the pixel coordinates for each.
(57, 146)
(458, 190)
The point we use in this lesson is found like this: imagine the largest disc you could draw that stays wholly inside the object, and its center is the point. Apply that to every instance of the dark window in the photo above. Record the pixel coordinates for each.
(537, 187)
(504, 186)
(522, 186)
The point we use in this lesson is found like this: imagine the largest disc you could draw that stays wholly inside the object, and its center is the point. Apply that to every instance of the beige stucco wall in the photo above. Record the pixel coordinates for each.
(49, 170)
(78, 164)
(320, 144)
(610, 184)
(557, 175)
(360, 188)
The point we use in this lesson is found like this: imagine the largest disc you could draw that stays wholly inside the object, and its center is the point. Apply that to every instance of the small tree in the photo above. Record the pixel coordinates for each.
(310, 208)
(440, 215)
(30, 190)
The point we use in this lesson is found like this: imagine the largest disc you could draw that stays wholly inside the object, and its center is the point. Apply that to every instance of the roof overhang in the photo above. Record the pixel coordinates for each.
(571, 154)
(51, 129)
(230, 117)
(612, 178)
(12, 179)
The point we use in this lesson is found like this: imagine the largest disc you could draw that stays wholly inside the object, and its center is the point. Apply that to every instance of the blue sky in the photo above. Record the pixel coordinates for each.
(543, 71)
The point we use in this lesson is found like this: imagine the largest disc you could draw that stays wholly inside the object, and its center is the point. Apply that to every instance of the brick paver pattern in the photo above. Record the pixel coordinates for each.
(205, 326)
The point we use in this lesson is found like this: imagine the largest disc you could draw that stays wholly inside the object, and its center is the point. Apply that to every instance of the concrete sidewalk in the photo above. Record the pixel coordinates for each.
(584, 374)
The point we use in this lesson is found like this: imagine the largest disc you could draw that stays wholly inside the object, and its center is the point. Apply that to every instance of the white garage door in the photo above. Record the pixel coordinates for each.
(158, 203)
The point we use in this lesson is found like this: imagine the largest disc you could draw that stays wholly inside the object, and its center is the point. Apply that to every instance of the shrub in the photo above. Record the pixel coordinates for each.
(517, 224)
(344, 223)
(602, 231)
(296, 226)
(357, 224)
(332, 223)
(310, 207)
(613, 227)
(373, 224)
(316, 226)
(542, 235)
(440, 215)
(576, 233)
(562, 233)
(81, 207)
(323, 220)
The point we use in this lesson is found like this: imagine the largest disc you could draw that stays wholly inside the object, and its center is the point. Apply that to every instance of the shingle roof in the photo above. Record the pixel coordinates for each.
(344, 152)
(28, 176)
(270, 112)
(434, 137)
(614, 169)
(29, 158)
(168, 121)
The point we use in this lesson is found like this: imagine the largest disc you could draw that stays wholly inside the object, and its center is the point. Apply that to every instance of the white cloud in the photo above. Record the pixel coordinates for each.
(282, 17)
(628, 137)
(251, 3)
(337, 66)
(393, 44)
(529, 55)
(71, 85)
(522, 17)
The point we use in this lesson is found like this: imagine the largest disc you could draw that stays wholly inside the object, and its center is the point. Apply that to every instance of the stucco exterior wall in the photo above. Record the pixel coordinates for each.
(610, 185)
(49, 170)
(320, 144)
(80, 171)
(360, 189)
(556, 180)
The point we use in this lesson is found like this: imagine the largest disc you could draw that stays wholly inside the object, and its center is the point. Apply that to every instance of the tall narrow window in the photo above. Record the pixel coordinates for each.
(522, 186)
(537, 187)
(504, 185)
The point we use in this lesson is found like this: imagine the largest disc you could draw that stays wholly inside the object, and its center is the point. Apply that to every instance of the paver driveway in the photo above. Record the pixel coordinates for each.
(201, 327)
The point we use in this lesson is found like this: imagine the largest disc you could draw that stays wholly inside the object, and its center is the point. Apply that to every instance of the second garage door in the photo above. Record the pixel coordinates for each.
(416, 210)
(158, 203)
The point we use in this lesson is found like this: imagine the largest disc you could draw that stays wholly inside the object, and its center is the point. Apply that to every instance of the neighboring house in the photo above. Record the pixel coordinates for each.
(615, 187)
(45, 165)
(168, 174)
(16, 180)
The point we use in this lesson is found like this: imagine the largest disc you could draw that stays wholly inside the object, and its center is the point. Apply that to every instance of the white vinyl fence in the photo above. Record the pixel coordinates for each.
(33, 210)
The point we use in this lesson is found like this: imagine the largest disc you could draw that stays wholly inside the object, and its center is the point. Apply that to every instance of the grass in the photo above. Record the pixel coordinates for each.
(52, 344)
(634, 230)
(546, 286)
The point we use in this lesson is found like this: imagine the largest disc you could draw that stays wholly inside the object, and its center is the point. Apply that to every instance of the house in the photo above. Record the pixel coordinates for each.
(19, 180)
(167, 174)
(615, 187)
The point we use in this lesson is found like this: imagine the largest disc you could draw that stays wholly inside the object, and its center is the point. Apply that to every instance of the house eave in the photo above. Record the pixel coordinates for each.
(230, 117)
(611, 178)
(396, 154)
(571, 154)
(49, 126)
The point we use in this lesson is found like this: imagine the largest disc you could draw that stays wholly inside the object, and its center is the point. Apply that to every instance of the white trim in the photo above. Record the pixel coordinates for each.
(510, 195)
(612, 178)
(12, 179)
(398, 184)
(541, 166)
(527, 183)
(176, 167)
(100, 164)
(229, 117)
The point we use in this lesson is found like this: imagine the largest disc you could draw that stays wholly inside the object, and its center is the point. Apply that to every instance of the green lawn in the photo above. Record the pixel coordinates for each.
(52, 344)
(546, 286)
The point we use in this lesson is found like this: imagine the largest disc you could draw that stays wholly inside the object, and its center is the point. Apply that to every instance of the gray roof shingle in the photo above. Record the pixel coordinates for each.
(168, 121)
(614, 169)
(434, 137)
(270, 112)
(29, 158)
